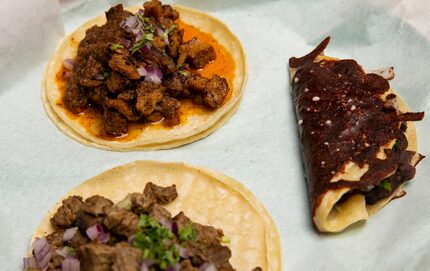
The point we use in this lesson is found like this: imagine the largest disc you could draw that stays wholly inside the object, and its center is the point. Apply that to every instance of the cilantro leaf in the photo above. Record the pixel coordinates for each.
(187, 233)
(386, 185)
(184, 73)
(116, 46)
(106, 74)
(225, 240)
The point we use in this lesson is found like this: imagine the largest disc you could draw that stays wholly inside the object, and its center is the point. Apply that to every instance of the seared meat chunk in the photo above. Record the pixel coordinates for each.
(123, 107)
(141, 203)
(113, 123)
(55, 239)
(126, 258)
(217, 254)
(97, 95)
(156, 58)
(92, 74)
(175, 84)
(117, 82)
(169, 108)
(123, 63)
(121, 221)
(97, 205)
(215, 92)
(175, 40)
(182, 220)
(188, 266)
(162, 195)
(257, 269)
(74, 97)
(208, 234)
(158, 43)
(78, 239)
(197, 83)
(155, 9)
(127, 95)
(85, 220)
(160, 214)
(65, 217)
(148, 95)
(96, 256)
(197, 53)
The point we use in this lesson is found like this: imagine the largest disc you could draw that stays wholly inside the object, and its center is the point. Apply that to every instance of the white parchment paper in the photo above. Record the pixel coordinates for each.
(258, 146)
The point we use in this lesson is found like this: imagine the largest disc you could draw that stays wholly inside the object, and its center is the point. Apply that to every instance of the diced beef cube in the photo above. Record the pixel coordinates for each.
(96, 256)
(126, 258)
(160, 214)
(74, 98)
(122, 62)
(113, 123)
(127, 95)
(197, 53)
(92, 74)
(158, 43)
(123, 107)
(78, 239)
(156, 58)
(208, 234)
(257, 269)
(155, 9)
(162, 195)
(117, 82)
(65, 217)
(55, 239)
(175, 39)
(148, 95)
(121, 222)
(170, 109)
(85, 220)
(182, 220)
(116, 14)
(97, 95)
(97, 205)
(215, 91)
(141, 203)
(219, 255)
(197, 83)
(174, 84)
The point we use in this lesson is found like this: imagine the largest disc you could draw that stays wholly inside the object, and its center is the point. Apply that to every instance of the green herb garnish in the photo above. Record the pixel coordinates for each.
(184, 73)
(170, 29)
(386, 185)
(140, 43)
(116, 46)
(106, 74)
(187, 233)
(225, 240)
(396, 145)
(156, 242)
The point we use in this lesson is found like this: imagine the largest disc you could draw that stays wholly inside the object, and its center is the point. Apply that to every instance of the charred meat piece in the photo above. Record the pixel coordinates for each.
(158, 43)
(175, 84)
(113, 123)
(156, 58)
(160, 214)
(85, 220)
(169, 108)
(215, 92)
(92, 74)
(65, 217)
(148, 95)
(74, 97)
(97, 95)
(162, 195)
(155, 9)
(208, 234)
(197, 53)
(175, 39)
(96, 256)
(217, 254)
(127, 95)
(197, 83)
(123, 63)
(96, 205)
(55, 239)
(117, 82)
(123, 107)
(78, 239)
(141, 203)
(126, 258)
(121, 221)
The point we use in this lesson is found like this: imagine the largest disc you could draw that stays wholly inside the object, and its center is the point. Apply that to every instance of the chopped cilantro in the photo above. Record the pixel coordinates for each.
(184, 73)
(139, 44)
(187, 233)
(156, 242)
(170, 29)
(386, 185)
(396, 145)
(179, 66)
(116, 46)
(106, 74)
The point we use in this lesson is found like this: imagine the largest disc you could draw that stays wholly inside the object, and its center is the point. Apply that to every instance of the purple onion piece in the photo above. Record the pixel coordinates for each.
(93, 231)
(131, 21)
(163, 34)
(70, 264)
(175, 228)
(145, 48)
(42, 252)
(166, 224)
(69, 64)
(30, 262)
(69, 233)
(146, 264)
(183, 252)
(142, 71)
(104, 237)
(141, 12)
(207, 267)
(127, 43)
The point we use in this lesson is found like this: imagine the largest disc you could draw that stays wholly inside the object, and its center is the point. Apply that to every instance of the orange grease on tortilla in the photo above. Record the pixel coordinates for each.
(223, 65)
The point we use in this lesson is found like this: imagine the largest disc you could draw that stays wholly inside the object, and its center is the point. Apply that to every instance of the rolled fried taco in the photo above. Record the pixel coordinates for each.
(359, 144)
(186, 218)
(153, 77)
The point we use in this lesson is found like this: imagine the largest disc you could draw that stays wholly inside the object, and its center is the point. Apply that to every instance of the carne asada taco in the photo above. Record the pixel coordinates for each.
(359, 144)
(107, 223)
(154, 77)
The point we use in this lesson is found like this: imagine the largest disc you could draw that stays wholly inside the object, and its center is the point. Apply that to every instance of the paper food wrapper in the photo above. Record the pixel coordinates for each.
(258, 146)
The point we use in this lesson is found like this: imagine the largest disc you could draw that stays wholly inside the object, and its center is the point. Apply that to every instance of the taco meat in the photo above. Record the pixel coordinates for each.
(137, 68)
(137, 233)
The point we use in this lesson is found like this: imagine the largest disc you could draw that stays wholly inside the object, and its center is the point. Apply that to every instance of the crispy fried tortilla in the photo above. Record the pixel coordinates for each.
(205, 196)
(359, 143)
(194, 125)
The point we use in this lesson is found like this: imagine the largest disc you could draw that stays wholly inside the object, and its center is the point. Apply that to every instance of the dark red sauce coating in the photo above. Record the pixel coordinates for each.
(342, 118)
